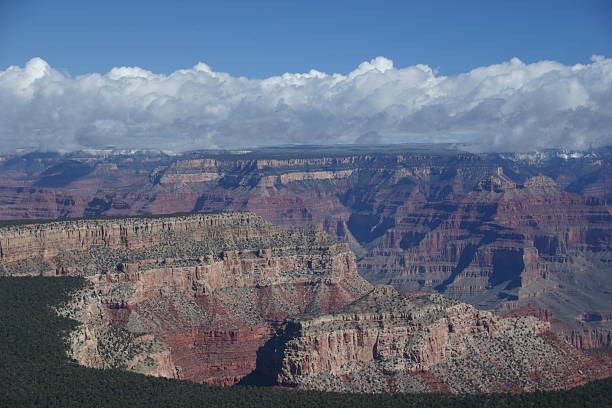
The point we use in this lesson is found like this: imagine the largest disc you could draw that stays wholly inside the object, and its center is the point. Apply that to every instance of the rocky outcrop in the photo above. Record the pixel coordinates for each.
(229, 298)
(583, 172)
(191, 297)
(47, 240)
(387, 342)
(499, 231)
(98, 343)
(31, 202)
(505, 246)
(590, 331)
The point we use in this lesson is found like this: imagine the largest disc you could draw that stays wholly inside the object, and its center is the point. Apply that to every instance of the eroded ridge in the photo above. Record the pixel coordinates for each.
(389, 342)
(190, 297)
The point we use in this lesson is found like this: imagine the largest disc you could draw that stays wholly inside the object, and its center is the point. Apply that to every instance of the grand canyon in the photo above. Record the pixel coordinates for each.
(282, 204)
(404, 268)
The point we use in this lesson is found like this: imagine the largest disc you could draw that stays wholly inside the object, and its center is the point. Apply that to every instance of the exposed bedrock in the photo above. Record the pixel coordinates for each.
(229, 298)
(190, 297)
(590, 331)
(489, 230)
(47, 240)
(504, 246)
(387, 342)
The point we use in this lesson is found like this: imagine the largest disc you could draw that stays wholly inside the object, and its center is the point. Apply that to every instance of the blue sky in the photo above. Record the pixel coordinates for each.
(183, 75)
(263, 38)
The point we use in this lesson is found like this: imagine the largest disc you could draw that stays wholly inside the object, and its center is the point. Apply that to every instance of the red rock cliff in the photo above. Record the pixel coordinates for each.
(386, 342)
(190, 297)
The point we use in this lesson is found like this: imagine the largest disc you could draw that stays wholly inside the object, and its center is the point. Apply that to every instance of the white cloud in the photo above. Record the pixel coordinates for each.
(507, 106)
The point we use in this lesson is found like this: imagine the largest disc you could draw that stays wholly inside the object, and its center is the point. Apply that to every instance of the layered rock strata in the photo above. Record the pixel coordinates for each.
(489, 230)
(388, 342)
(505, 246)
(191, 297)
(229, 298)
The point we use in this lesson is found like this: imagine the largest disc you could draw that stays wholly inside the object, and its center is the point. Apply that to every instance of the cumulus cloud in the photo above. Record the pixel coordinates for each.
(507, 106)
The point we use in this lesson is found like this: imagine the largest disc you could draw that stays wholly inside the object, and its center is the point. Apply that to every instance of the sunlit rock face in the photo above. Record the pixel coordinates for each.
(499, 231)
(388, 342)
(191, 297)
(230, 298)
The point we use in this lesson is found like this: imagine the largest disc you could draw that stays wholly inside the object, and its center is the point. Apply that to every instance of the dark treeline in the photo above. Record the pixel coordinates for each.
(35, 371)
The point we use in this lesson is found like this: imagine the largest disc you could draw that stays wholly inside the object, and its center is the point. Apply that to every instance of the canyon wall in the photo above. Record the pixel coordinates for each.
(499, 231)
(230, 298)
(191, 297)
(387, 342)
(47, 240)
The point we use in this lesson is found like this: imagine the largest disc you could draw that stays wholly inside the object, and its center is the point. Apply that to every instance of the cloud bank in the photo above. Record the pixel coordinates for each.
(507, 106)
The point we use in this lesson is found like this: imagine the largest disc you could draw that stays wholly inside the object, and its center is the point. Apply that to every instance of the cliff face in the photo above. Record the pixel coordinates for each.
(505, 246)
(30, 202)
(387, 342)
(47, 240)
(98, 343)
(583, 172)
(489, 230)
(227, 298)
(190, 297)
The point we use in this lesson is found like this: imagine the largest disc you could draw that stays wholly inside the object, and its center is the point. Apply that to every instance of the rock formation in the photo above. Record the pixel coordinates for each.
(190, 297)
(388, 342)
(228, 298)
(505, 246)
(500, 231)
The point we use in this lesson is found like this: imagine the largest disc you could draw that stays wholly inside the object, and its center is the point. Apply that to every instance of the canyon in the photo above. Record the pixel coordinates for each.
(389, 342)
(190, 297)
(509, 232)
(229, 298)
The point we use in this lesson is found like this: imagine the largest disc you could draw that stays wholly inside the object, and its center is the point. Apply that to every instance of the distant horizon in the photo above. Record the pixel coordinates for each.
(270, 148)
